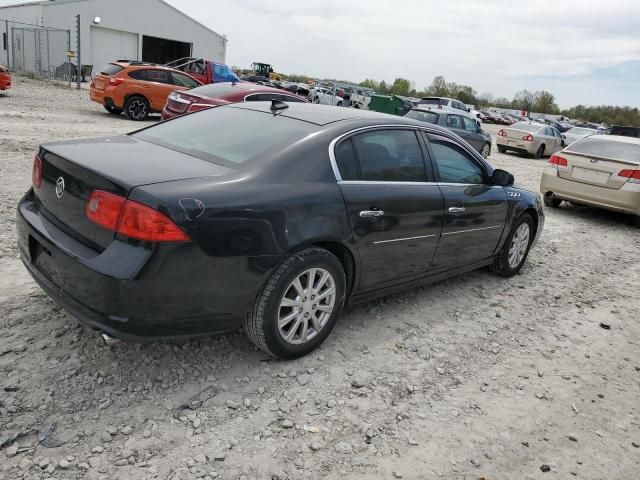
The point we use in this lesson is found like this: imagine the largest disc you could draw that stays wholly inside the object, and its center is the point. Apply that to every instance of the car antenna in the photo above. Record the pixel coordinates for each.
(277, 105)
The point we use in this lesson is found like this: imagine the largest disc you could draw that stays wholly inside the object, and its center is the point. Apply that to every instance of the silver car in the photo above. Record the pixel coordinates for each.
(530, 138)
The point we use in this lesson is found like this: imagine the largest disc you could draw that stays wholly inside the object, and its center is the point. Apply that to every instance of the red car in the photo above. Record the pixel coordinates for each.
(199, 98)
(5, 78)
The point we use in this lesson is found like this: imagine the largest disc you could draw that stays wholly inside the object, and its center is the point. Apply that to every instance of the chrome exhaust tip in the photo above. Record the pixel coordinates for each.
(107, 339)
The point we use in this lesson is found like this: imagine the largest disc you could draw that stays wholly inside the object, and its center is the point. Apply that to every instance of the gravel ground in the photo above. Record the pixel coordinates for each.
(474, 377)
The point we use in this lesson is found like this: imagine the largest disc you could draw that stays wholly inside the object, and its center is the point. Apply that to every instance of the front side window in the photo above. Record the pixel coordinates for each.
(182, 80)
(390, 155)
(469, 124)
(455, 165)
(454, 121)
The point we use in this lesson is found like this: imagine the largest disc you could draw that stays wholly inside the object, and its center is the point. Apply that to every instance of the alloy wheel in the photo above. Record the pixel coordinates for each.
(137, 109)
(306, 306)
(486, 150)
(519, 245)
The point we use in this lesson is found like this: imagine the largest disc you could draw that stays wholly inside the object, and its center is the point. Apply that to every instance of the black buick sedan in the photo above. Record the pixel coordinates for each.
(265, 216)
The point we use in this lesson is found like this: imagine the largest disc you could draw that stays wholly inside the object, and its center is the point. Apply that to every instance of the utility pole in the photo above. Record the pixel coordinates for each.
(79, 68)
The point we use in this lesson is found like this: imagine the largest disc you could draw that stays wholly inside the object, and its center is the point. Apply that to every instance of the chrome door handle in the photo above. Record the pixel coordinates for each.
(371, 213)
(456, 210)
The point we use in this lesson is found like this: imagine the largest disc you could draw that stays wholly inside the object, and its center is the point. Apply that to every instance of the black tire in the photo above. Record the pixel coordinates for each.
(501, 264)
(261, 324)
(486, 150)
(636, 220)
(339, 104)
(551, 201)
(540, 152)
(501, 149)
(137, 108)
(113, 110)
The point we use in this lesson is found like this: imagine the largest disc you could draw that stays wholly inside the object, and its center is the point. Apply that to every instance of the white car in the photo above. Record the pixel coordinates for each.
(324, 96)
(361, 98)
(576, 133)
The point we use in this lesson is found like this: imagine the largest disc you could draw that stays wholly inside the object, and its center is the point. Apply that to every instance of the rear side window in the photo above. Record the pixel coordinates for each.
(346, 160)
(263, 97)
(455, 165)
(390, 156)
(138, 75)
(159, 76)
(598, 147)
(111, 69)
(227, 136)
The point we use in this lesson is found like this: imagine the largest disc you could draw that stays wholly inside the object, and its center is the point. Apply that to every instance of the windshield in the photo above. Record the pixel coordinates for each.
(599, 147)
(527, 127)
(227, 136)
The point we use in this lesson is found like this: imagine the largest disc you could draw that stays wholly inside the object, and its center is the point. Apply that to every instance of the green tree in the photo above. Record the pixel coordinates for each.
(370, 83)
(545, 102)
(438, 87)
(523, 100)
(382, 87)
(401, 86)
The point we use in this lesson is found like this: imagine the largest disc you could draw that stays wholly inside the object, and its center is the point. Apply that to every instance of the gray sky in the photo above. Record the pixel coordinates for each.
(583, 51)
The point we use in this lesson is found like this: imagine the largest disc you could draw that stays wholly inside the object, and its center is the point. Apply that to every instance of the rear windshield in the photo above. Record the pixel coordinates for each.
(599, 147)
(433, 101)
(527, 127)
(429, 117)
(218, 89)
(227, 136)
(111, 69)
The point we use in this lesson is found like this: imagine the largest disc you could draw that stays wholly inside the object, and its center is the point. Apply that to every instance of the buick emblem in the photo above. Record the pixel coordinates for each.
(60, 187)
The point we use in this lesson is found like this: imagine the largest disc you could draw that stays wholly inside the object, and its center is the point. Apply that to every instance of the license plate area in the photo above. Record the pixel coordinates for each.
(587, 175)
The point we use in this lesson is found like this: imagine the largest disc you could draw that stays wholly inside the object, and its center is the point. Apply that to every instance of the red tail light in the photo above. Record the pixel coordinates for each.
(502, 133)
(132, 219)
(196, 107)
(114, 82)
(558, 161)
(36, 173)
(632, 175)
(528, 138)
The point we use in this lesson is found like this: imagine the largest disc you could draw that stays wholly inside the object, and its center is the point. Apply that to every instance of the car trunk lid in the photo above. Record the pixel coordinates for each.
(595, 170)
(71, 171)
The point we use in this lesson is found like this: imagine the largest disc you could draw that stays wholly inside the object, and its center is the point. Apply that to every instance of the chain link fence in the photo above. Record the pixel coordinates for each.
(35, 50)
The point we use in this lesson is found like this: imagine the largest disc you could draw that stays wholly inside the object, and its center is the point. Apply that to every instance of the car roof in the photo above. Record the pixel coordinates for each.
(322, 115)
(619, 139)
(138, 65)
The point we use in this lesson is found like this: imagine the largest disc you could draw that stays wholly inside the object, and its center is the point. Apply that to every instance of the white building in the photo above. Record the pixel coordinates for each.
(147, 30)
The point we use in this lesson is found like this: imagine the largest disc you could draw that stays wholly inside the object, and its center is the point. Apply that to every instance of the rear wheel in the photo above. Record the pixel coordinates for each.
(540, 151)
(486, 150)
(515, 250)
(137, 108)
(501, 149)
(112, 109)
(299, 305)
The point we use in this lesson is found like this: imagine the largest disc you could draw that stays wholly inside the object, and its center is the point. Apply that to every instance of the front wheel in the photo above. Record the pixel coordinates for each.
(515, 250)
(137, 108)
(486, 150)
(299, 305)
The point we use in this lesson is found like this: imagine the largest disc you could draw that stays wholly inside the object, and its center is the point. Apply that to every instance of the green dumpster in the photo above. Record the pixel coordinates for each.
(391, 104)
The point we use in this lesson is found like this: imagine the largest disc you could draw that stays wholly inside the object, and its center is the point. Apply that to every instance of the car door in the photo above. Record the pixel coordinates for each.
(474, 213)
(472, 130)
(549, 140)
(394, 206)
(456, 125)
(558, 140)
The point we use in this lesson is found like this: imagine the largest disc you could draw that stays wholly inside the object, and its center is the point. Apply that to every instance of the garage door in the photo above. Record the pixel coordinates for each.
(108, 45)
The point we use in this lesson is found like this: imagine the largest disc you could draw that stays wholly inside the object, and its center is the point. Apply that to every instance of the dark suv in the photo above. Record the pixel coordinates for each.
(464, 126)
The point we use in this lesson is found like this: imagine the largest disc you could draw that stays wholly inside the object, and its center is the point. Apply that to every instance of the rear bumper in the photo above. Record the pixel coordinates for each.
(517, 145)
(626, 199)
(5, 82)
(133, 291)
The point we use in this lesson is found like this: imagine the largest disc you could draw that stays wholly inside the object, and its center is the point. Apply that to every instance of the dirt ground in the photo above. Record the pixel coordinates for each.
(475, 377)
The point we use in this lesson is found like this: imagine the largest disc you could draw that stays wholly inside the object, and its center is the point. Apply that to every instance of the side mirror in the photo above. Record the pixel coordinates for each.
(502, 178)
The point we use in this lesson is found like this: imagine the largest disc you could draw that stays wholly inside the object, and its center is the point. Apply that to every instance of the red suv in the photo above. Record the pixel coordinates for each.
(181, 102)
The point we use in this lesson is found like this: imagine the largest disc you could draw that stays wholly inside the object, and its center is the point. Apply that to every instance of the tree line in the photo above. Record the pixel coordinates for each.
(540, 101)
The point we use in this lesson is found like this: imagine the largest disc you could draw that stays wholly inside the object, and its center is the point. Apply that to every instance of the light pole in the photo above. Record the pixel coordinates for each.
(79, 68)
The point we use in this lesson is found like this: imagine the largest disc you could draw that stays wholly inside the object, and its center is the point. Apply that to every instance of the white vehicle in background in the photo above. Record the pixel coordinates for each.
(448, 105)
(576, 133)
(361, 98)
(325, 96)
